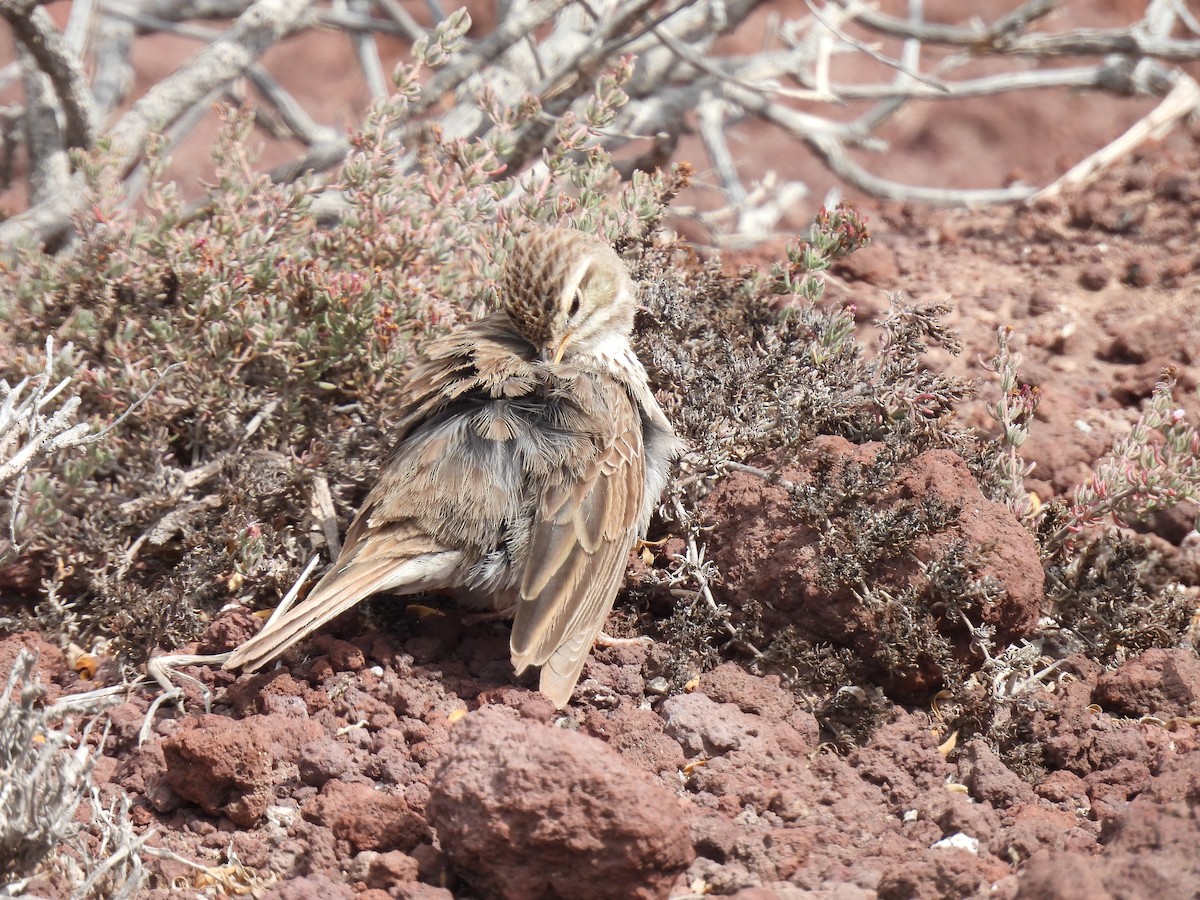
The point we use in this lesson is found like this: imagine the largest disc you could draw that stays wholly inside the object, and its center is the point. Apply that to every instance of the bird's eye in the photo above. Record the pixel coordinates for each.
(575, 304)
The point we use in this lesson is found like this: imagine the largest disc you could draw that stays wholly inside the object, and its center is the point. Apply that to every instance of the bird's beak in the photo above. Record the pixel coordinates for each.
(562, 348)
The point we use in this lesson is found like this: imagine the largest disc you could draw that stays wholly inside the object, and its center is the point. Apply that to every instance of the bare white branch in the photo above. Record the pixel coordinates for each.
(555, 50)
(1183, 101)
(27, 432)
(366, 50)
(256, 30)
(35, 31)
(30, 431)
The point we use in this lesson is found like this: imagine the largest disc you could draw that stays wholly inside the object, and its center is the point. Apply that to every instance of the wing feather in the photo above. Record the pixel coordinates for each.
(386, 562)
(560, 671)
(580, 539)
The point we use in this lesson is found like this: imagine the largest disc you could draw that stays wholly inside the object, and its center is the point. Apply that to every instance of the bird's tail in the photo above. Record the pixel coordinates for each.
(561, 671)
(342, 588)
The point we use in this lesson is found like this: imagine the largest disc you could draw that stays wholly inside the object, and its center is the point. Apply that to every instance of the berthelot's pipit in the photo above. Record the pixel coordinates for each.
(529, 457)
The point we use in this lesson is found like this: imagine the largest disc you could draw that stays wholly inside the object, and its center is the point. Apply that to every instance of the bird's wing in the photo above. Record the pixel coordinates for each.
(583, 528)
(443, 499)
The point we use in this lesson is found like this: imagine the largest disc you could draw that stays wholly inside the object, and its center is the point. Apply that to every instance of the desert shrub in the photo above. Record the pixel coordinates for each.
(774, 368)
(285, 334)
(44, 782)
(42, 785)
(754, 366)
(1109, 592)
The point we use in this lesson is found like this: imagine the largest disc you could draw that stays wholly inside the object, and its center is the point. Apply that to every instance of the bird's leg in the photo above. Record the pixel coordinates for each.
(642, 543)
(502, 606)
(646, 549)
(164, 669)
(495, 615)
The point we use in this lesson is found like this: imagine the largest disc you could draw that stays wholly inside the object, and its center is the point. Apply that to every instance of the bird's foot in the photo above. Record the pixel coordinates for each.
(164, 670)
(647, 549)
(495, 615)
(607, 640)
(641, 544)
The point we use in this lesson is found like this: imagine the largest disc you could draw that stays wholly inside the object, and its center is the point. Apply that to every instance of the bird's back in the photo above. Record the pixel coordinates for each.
(487, 430)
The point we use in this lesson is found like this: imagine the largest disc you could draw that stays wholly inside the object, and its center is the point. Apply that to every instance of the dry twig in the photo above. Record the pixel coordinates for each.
(677, 75)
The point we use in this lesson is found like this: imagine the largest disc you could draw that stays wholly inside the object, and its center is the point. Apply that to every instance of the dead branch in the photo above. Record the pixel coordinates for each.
(256, 30)
(49, 171)
(679, 84)
(1005, 36)
(1183, 101)
(44, 43)
(523, 21)
(364, 46)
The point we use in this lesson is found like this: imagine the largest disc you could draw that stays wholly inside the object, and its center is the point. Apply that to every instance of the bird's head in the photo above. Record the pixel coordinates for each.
(567, 292)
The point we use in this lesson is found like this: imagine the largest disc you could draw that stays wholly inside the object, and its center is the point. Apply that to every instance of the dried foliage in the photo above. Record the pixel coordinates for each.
(776, 369)
(757, 370)
(1114, 598)
(42, 785)
(44, 782)
(1013, 412)
(1155, 466)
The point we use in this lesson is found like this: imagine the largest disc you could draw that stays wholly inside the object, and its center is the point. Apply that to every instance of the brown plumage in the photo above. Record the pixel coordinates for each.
(529, 458)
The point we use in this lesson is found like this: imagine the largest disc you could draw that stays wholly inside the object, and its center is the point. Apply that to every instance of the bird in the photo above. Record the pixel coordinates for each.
(529, 456)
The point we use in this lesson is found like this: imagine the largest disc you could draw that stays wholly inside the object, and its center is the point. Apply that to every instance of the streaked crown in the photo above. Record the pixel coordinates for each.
(565, 290)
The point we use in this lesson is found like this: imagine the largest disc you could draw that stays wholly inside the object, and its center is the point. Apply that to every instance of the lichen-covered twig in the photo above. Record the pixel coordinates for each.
(254, 32)
(1013, 411)
(31, 432)
(44, 783)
